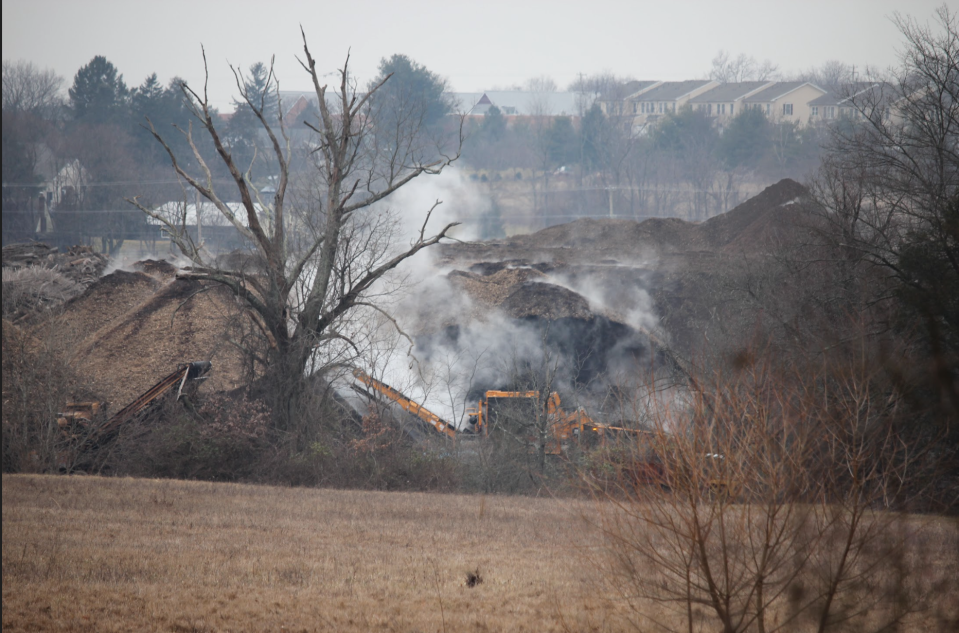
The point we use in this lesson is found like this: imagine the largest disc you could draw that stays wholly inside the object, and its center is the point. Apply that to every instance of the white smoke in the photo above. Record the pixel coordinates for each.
(461, 349)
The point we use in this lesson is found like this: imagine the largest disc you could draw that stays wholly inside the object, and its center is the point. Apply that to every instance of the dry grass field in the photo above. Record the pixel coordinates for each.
(111, 554)
(95, 554)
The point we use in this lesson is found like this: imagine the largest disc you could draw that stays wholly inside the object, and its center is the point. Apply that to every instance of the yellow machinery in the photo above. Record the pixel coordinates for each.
(563, 426)
(438, 423)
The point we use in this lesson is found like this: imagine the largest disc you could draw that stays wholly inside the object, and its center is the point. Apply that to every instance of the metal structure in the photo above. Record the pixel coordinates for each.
(563, 426)
(86, 435)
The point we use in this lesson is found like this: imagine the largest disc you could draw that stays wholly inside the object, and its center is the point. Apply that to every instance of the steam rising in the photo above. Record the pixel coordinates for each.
(460, 349)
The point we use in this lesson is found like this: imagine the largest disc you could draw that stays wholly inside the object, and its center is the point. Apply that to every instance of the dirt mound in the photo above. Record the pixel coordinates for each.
(493, 289)
(664, 272)
(614, 237)
(593, 239)
(546, 301)
(157, 268)
(106, 301)
(748, 219)
(130, 330)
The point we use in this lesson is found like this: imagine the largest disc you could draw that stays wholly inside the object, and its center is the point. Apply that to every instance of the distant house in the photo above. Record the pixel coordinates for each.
(651, 103)
(516, 103)
(205, 223)
(726, 100)
(855, 101)
(786, 101)
(614, 102)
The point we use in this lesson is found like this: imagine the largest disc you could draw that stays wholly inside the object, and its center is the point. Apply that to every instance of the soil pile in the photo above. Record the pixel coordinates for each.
(130, 329)
(755, 221)
(493, 288)
(546, 301)
(661, 271)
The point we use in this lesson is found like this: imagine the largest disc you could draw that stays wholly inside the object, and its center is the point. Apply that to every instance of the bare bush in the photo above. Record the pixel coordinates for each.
(34, 289)
(767, 499)
(37, 382)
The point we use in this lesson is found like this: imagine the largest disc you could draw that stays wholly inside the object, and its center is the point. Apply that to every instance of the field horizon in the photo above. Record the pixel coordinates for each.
(111, 554)
(85, 553)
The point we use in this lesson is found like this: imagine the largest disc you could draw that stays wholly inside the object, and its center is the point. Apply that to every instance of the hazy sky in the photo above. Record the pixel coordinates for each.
(476, 45)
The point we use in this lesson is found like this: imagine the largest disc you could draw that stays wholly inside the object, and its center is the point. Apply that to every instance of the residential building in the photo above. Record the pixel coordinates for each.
(725, 101)
(651, 103)
(613, 102)
(786, 101)
(516, 103)
(853, 102)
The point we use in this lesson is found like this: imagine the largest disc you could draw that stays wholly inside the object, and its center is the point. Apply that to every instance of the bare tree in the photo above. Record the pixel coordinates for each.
(833, 76)
(27, 88)
(540, 89)
(727, 69)
(32, 105)
(889, 184)
(321, 250)
(760, 502)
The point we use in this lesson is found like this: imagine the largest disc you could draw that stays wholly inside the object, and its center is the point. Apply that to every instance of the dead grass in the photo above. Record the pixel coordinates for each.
(93, 554)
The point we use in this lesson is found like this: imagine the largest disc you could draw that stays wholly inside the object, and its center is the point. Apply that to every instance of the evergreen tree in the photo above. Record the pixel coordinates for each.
(98, 94)
(594, 139)
(746, 142)
(411, 88)
(561, 143)
(164, 107)
(243, 128)
(494, 125)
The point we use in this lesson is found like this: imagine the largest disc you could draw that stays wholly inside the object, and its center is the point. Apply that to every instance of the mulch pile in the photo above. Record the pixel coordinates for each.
(682, 265)
(129, 329)
(80, 264)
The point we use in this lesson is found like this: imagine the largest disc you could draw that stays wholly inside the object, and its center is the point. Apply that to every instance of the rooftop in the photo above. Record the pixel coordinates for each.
(670, 90)
(730, 91)
(777, 90)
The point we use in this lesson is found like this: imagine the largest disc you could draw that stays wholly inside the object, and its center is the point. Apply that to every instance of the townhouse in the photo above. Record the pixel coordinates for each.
(786, 101)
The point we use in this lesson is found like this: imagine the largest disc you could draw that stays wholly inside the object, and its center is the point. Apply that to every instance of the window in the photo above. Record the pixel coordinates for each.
(660, 107)
(815, 110)
(710, 109)
(634, 108)
(767, 108)
(723, 107)
(787, 109)
(830, 112)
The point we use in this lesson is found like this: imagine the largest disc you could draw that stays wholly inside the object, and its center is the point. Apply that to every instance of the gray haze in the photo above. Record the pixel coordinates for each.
(477, 46)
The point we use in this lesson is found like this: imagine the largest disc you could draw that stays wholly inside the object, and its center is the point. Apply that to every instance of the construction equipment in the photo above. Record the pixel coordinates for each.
(85, 435)
(563, 427)
(495, 407)
(407, 404)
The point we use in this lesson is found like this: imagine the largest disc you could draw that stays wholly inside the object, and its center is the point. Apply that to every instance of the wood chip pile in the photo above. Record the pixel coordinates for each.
(80, 264)
(492, 290)
(130, 329)
(682, 266)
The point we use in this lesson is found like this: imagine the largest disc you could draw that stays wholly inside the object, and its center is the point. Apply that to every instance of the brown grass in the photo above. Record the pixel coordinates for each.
(94, 554)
